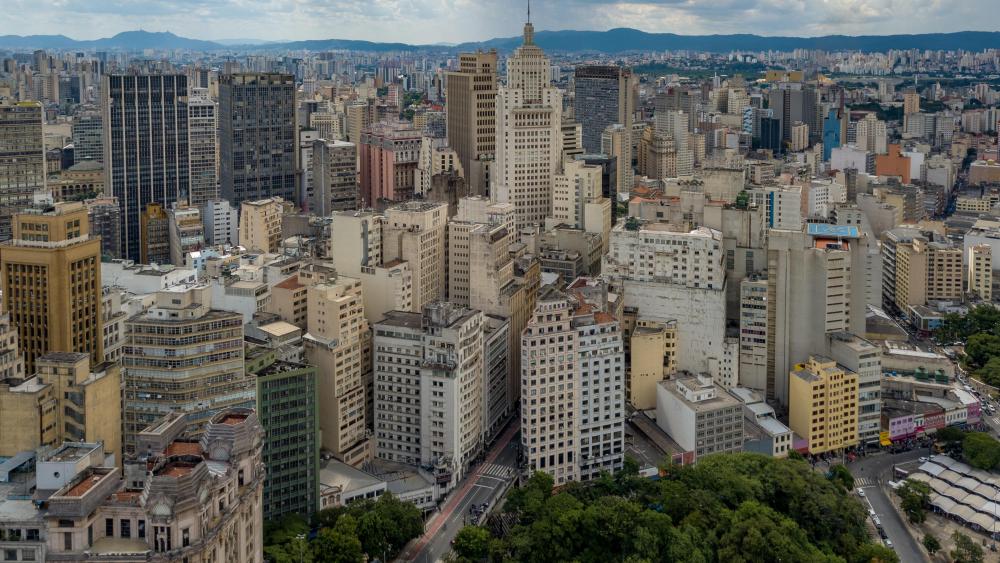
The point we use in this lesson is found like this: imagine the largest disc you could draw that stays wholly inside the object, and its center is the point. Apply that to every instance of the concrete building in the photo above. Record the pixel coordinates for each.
(260, 225)
(429, 381)
(257, 144)
(911, 102)
(335, 343)
(572, 381)
(203, 148)
(753, 333)
(602, 96)
(984, 172)
(80, 181)
(616, 143)
(88, 138)
(800, 137)
(823, 405)
(979, 279)
(865, 359)
(652, 359)
(670, 273)
(51, 279)
(871, 135)
(288, 410)
(221, 222)
(22, 159)
(388, 153)
(471, 115)
(813, 289)
(204, 375)
(896, 164)
(578, 201)
(65, 400)
(479, 259)
(186, 231)
(335, 177)
(699, 415)
(154, 235)
(528, 134)
(416, 232)
(917, 267)
(142, 116)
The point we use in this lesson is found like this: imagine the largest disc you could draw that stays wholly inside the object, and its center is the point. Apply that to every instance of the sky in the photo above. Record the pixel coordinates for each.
(454, 21)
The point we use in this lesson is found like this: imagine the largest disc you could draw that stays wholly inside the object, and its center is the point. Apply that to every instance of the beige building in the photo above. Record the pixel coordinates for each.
(416, 232)
(823, 405)
(911, 102)
(84, 180)
(289, 301)
(529, 134)
(616, 141)
(800, 137)
(699, 415)
(203, 373)
(260, 225)
(577, 200)
(980, 275)
(51, 276)
(471, 115)
(337, 334)
(479, 260)
(984, 172)
(871, 135)
(179, 500)
(187, 233)
(154, 235)
(653, 349)
(927, 271)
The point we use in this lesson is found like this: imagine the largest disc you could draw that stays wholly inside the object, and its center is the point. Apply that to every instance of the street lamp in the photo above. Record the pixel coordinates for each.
(301, 543)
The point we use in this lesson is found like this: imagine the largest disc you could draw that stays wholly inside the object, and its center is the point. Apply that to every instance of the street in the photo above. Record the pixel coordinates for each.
(481, 486)
(871, 473)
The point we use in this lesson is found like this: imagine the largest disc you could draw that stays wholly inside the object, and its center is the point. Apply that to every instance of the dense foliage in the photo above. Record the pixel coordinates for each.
(914, 498)
(376, 529)
(733, 508)
(980, 330)
(966, 550)
(981, 450)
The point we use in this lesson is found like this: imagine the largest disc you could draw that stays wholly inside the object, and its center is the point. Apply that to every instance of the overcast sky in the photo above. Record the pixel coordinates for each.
(438, 21)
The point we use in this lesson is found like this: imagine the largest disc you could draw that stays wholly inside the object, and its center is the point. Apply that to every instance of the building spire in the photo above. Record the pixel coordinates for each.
(529, 30)
(529, 11)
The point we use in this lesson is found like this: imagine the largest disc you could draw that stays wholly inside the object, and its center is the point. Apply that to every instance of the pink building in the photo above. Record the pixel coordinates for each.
(388, 154)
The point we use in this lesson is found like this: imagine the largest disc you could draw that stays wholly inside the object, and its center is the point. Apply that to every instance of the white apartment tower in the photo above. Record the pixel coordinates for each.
(573, 384)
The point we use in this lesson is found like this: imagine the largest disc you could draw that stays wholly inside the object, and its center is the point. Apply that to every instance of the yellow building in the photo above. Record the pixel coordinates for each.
(980, 277)
(823, 405)
(927, 271)
(653, 349)
(911, 102)
(51, 277)
(784, 76)
(66, 401)
(260, 225)
(84, 180)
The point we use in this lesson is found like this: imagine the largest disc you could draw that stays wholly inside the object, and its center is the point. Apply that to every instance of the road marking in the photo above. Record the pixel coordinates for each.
(484, 486)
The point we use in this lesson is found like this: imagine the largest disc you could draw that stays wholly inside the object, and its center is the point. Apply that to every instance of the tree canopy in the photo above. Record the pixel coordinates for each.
(981, 450)
(731, 507)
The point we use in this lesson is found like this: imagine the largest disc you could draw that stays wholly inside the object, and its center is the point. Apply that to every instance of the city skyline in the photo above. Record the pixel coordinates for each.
(455, 21)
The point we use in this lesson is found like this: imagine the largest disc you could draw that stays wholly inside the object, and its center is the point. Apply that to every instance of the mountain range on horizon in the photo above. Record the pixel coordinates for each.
(612, 41)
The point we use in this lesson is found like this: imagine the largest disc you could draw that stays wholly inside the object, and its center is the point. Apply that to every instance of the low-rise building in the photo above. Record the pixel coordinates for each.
(699, 415)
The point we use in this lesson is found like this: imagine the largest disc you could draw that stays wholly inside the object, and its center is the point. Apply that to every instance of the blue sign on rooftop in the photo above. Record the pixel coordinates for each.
(834, 231)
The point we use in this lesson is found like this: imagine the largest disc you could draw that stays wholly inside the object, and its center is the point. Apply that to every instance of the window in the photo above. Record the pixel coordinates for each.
(109, 527)
(125, 528)
(27, 555)
(185, 537)
(141, 528)
(10, 555)
(68, 541)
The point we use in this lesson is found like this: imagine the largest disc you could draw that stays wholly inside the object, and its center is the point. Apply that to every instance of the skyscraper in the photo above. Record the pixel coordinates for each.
(22, 159)
(602, 97)
(146, 151)
(471, 109)
(528, 133)
(203, 126)
(88, 141)
(52, 283)
(257, 144)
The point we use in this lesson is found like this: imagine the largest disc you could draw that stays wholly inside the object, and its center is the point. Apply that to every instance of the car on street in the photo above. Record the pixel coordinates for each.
(923, 459)
(888, 543)
(861, 492)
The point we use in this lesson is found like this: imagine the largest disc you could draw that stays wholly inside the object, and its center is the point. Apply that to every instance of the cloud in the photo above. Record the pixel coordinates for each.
(432, 21)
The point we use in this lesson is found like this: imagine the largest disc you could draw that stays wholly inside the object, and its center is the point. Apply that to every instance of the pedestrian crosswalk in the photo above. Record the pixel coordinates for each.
(865, 482)
(498, 471)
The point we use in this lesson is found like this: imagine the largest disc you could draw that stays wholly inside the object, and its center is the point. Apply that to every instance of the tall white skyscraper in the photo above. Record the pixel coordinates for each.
(529, 134)
(203, 126)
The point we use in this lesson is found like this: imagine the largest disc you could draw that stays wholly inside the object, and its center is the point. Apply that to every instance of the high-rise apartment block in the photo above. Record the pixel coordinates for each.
(335, 342)
(919, 266)
(471, 115)
(204, 373)
(257, 141)
(416, 232)
(154, 235)
(388, 152)
(911, 102)
(260, 225)
(573, 384)
(22, 159)
(221, 221)
(603, 96)
(88, 138)
(823, 405)
(871, 135)
(616, 142)
(288, 410)
(335, 177)
(52, 283)
(980, 275)
(865, 359)
(203, 147)
(429, 381)
(187, 233)
(528, 134)
(146, 158)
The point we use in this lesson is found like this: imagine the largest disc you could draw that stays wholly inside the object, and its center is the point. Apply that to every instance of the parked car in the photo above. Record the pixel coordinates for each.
(861, 492)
